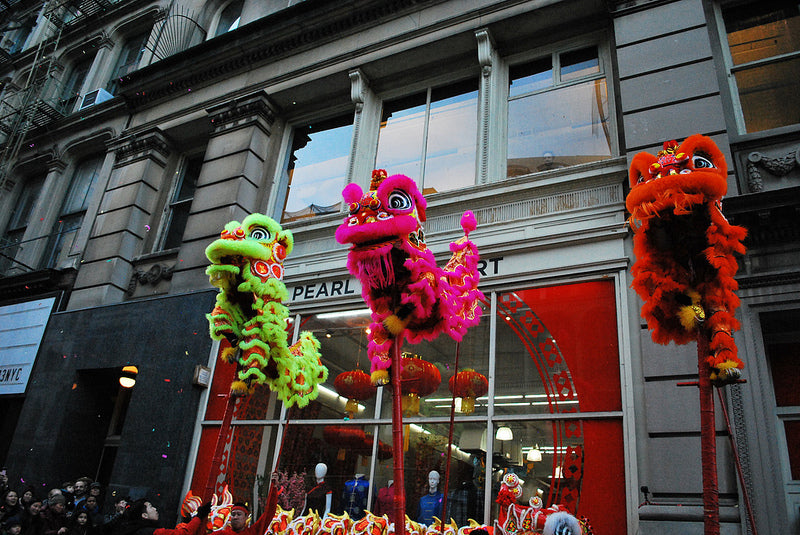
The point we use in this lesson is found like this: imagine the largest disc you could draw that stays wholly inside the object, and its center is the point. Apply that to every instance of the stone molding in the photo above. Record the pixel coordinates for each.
(151, 277)
(242, 112)
(777, 166)
(134, 147)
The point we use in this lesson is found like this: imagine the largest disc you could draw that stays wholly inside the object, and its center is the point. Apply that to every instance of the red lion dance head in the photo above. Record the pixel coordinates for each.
(684, 248)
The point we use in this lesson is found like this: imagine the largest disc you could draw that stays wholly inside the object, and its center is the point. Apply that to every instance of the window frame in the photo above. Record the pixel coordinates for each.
(185, 163)
(125, 51)
(730, 70)
(555, 51)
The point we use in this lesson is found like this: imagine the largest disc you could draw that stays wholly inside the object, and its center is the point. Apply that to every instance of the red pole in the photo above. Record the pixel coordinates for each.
(708, 444)
(216, 461)
(397, 440)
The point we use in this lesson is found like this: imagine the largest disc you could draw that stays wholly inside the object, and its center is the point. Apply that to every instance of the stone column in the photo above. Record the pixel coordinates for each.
(232, 182)
(492, 109)
(366, 124)
(122, 218)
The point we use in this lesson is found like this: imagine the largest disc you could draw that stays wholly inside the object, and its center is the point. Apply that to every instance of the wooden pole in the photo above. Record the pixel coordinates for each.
(708, 444)
(397, 439)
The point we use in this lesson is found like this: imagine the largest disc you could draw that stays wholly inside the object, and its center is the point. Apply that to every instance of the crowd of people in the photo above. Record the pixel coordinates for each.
(77, 509)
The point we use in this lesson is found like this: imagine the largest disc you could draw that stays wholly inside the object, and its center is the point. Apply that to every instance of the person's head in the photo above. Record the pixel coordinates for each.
(142, 509)
(13, 526)
(95, 489)
(120, 503)
(27, 495)
(82, 486)
(90, 503)
(81, 518)
(238, 517)
(11, 498)
(57, 503)
(34, 507)
(69, 486)
(54, 492)
(433, 479)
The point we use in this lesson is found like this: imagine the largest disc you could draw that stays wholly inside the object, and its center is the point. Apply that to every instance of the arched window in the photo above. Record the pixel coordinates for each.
(229, 18)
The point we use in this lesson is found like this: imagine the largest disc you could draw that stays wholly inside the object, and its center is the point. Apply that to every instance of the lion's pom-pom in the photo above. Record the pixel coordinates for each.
(395, 325)
(228, 355)
(379, 377)
(691, 314)
(561, 523)
(468, 222)
(239, 388)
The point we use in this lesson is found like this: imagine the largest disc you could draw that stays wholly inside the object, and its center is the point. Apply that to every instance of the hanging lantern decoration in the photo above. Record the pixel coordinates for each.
(468, 385)
(346, 437)
(419, 378)
(384, 449)
(355, 386)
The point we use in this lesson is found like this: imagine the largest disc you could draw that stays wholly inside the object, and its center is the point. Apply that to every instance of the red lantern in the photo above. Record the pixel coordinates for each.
(355, 386)
(419, 378)
(344, 436)
(468, 385)
(384, 449)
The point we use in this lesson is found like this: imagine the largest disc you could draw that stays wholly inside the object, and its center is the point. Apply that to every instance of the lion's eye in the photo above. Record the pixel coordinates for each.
(700, 162)
(399, 200)
(259, 233)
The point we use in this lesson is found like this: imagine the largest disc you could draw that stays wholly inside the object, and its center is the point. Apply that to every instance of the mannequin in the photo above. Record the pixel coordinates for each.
(354, 496)
(430, 504)
(319, 498)
(385, 503)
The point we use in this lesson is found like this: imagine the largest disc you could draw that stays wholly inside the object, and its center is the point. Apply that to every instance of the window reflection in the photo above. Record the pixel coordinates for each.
(555, 121)
(317, 169)
(416, 137)
(764, 38)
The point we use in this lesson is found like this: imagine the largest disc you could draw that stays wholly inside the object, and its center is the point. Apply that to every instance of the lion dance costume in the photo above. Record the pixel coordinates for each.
(247, 267)
(405, 289)
(684, 248)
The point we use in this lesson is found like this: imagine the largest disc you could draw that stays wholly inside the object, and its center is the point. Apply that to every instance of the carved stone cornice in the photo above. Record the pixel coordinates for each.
(242, 112)
(302, 26)
(134, 147)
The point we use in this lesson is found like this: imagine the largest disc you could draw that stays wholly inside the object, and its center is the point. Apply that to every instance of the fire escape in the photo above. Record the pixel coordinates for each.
(38, 100)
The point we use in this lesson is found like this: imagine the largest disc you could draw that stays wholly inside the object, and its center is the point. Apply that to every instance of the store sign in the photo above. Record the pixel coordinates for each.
(22, 332)
(343, 288)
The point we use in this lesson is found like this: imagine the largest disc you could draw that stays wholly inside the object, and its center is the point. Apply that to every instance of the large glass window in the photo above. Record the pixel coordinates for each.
(18, 222)
(80, 193)
(181, 203)
(554, 415)
(432, 137)
(558, 112)
(317, 168)
(764, 40)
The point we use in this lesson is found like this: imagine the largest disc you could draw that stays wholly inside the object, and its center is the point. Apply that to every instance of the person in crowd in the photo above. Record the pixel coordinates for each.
(12, 526)
(31, 518)
(68, 491)
(237, 524)
(92, 508)
(112, 520)
(96, 490)
(80, 524)
(54, 518)
(10, 505)
(81, 492)
(141, 518)
(27, 497)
